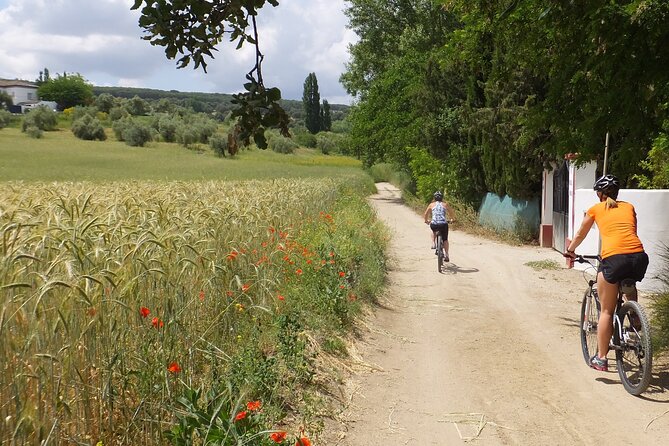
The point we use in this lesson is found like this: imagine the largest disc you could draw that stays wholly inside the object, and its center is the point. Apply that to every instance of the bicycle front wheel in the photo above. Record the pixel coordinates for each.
(635, 357)
(590, 309)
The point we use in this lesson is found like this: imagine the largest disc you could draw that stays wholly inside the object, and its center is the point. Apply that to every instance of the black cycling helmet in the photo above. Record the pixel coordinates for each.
(608, 185)
(438, 196)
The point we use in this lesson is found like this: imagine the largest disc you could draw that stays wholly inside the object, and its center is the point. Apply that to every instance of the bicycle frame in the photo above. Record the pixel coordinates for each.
(630, 335)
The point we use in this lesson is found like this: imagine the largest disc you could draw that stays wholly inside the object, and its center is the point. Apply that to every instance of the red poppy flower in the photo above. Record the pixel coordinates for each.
(229, 293)
(253, 405)
(245, 287)
(240, 416)
(278, 437)
(299, 271)
(174, 367)
(332, 254)
(201, 295)
(342, 273)
(280, 297)
(144, 312)
(232, 255)
(157, 323)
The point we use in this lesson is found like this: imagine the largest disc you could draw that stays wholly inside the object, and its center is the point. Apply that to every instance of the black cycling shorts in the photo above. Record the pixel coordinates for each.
(618, 267)
(443, 228)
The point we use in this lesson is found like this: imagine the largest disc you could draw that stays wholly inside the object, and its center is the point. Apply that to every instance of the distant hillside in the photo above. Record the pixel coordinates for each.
(209, 102)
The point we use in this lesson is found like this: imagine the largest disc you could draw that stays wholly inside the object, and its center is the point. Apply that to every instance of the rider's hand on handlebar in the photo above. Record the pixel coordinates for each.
(569, 254)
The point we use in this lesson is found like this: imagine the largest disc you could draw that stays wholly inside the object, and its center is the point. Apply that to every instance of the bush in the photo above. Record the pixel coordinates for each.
(305, 139)
(79, 112)
(134, 133)
(328, 142)
(88, 128)
(281, 144)
(167, 126)
(5, 118)
(218, 143)
(187, 135)
(42, 118)
(117, 113)
(33, 132)
(137, 134)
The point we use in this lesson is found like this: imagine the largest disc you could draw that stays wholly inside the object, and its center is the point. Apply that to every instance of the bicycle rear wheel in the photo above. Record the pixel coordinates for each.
(635, 357)
(440, 252)
(590, 309)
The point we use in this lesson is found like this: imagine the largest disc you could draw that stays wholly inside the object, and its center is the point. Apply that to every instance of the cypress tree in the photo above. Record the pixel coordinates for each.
(311, 100)
(326, 118)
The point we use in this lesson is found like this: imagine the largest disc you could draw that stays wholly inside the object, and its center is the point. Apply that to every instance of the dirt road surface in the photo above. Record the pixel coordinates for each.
(486, 352)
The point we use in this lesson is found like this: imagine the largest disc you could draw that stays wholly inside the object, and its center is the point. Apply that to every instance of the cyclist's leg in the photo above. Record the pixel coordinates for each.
(608, 297)
(444, 233)
(434, 236)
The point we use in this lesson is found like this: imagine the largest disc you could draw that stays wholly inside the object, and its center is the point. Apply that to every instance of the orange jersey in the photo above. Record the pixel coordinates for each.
(617, 227)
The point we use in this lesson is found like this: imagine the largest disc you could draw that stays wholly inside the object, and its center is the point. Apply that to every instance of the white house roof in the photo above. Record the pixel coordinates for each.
(6, 83)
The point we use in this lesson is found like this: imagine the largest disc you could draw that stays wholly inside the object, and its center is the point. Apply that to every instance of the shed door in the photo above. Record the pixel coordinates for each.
(561, 207)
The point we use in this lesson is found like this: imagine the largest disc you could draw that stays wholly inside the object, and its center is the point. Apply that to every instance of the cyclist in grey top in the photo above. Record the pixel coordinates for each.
(437, 216)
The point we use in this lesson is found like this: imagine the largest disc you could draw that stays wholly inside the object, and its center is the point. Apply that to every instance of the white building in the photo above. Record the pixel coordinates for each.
(567, 195)
(19, 91)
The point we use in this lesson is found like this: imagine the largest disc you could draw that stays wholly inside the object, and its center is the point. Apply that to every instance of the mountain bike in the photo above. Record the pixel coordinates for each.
(439, 250)
(631, 332)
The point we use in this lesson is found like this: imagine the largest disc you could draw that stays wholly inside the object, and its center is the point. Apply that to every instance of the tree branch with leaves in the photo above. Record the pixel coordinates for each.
(193, 28)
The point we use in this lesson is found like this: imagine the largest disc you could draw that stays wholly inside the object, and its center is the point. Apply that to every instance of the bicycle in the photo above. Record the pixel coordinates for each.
(631, 332)
(439, 248)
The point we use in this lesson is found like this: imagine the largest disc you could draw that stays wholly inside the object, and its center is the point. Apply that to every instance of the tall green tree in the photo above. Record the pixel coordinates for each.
(194, 28)
(44, 76)
(67, 90)
(311, 101)
(326, 116)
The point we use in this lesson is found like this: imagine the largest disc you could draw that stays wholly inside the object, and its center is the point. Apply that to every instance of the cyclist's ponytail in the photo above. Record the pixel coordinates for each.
(611, 203)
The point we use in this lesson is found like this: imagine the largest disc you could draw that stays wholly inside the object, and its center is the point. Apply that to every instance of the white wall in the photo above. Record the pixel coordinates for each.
(547, 198)
(652, 208)
(21, 94)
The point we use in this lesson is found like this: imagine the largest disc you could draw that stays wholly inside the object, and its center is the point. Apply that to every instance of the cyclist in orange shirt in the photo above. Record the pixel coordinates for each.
(622, 255)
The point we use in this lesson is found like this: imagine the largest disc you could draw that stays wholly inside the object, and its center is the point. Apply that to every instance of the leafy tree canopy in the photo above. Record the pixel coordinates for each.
(67, 90)
(194, 28)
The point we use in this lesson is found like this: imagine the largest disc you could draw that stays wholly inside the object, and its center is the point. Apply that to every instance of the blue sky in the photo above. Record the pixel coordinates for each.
(101, 40)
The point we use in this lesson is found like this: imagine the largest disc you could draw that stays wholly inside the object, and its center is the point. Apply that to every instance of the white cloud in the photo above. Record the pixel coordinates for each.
(101, 40)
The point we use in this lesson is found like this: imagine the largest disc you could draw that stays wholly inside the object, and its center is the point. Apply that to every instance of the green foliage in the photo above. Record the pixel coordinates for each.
(311, 100)
(117, 113)
(6, 100)
(33, 131)
(209, 417)
(88, 128)
(328, 142)
(218, 143)
(326, 117)
(5, 118)
(137, 106)
(660, 306)
(657, 163)
(499, 90)
(134, 132)
(305, 139)
(384, 172)
(167, 126)
(280, 144)
(428, 173)
(105, 102)
(42, 118)
(67, 90)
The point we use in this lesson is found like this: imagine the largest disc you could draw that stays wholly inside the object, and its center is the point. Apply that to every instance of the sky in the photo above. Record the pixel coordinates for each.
(101, 40)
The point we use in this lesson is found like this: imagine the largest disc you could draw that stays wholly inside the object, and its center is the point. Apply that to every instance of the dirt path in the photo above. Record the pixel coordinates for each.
(467, 353)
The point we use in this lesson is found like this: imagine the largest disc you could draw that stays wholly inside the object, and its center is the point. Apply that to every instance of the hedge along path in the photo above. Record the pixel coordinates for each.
(106, 287)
